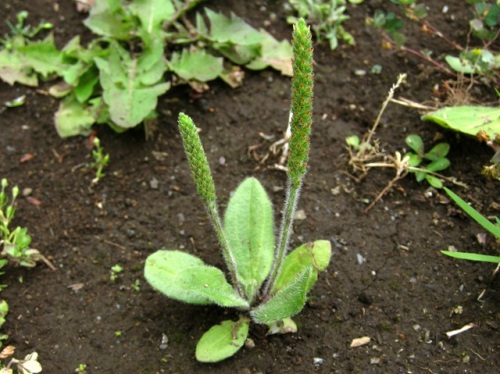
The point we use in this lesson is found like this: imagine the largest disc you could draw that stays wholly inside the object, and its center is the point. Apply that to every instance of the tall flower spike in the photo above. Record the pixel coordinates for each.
(301, 112)
(197, 159)
(302, 98)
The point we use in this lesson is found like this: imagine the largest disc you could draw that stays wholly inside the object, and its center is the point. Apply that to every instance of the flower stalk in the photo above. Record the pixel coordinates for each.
(301, 121)
(205, 187)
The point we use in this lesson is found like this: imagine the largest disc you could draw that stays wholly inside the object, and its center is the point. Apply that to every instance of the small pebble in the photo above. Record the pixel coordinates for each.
(164, 341)
(318, 361)
(153, 183)
(300, 215)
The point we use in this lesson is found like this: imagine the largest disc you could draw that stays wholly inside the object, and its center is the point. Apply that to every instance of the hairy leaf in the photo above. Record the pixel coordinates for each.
(184, 277)
(249, 227)
(316, 254)
(288, 301)
(222, 341)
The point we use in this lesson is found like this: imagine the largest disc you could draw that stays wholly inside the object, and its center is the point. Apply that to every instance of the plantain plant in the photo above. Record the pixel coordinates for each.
(267, 285)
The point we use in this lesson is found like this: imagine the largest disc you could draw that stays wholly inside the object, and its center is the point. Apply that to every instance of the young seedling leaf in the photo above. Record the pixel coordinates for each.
(288, 301)
(474, 214)
(197, 65)
(439, 151)
(438, 165)
(353, 141)
(468, 119)
(420, 176)
(185, 277)
(433, 181)
(222, 341)
(413, 159)
(473, 256)
(316, 254)
(249, 228)
(416, 144)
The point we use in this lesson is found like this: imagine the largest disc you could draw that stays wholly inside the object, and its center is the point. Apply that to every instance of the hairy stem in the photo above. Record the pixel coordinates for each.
(285, 232)
(213, 212)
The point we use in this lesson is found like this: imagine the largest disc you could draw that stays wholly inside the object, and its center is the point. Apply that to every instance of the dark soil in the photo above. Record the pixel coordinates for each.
(402, 295)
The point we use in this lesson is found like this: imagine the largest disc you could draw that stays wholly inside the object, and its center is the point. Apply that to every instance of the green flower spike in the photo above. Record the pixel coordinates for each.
(302, 98)
(301, 111)
(197, 159)
(205, 187)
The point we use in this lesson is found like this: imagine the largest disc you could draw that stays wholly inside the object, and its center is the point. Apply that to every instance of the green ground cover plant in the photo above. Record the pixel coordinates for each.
(365, 153)
(101, 160)
(139, 43)
(15, 250)
(436, 159)
(493, 229)
(478, 121)
(267, 285)
(326, 17)
(482, 61)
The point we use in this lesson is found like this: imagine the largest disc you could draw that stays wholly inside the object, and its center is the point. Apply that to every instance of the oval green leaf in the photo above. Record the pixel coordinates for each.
(413, 159)
(415, 142)
(438, 165)
(249, 228)
(185, 277)
(438, 151)
(433, 181)
(222, 341)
